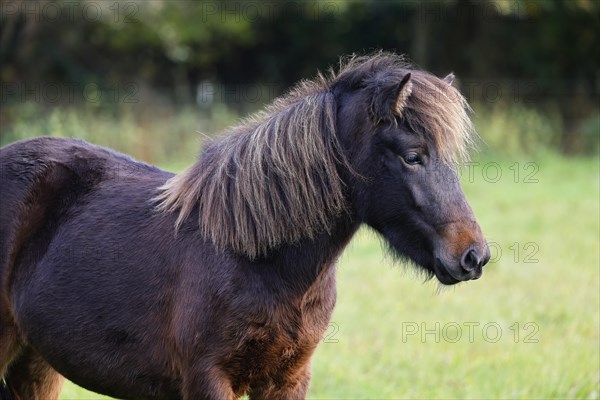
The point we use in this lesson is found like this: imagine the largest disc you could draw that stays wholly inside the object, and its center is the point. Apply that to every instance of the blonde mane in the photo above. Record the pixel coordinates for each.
(275, 179)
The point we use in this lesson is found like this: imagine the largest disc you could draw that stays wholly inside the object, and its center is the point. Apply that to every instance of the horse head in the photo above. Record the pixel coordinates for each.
(403, 132)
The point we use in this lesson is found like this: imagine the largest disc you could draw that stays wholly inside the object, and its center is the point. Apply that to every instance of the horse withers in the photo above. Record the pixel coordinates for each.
(220, 281)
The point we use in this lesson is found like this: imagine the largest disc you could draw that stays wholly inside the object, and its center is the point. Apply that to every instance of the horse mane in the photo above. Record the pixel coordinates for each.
(274, 178)
(270, 180)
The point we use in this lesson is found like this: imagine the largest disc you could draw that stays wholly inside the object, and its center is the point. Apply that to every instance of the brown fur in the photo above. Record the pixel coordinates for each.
(31, 378)
(461, 235)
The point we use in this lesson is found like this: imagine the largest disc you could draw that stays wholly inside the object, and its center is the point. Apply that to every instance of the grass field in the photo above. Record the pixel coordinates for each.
(528, 329)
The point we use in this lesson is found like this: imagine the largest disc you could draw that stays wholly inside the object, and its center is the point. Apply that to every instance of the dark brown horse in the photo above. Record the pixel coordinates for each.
(220, 281)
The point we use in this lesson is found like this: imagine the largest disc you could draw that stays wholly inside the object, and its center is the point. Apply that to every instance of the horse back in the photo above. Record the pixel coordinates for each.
(41, 180)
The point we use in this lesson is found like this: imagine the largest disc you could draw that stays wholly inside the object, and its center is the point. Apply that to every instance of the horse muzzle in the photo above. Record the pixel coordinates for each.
(462, 255)
(469, 267)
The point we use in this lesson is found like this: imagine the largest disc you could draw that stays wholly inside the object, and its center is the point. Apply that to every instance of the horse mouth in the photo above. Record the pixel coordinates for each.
(449, 276)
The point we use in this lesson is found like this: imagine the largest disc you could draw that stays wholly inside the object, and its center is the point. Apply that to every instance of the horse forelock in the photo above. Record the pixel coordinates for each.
(434, 108)
(439, 111)
(274, 178)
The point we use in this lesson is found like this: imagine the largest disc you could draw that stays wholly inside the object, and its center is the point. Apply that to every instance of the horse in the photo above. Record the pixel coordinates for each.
(219, 281)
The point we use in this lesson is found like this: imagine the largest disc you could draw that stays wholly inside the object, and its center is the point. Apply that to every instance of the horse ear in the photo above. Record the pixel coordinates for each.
(402, 94)
(449, 79)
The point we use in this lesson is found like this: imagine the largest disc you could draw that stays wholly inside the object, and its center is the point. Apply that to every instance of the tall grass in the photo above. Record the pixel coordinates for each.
(165, 134)
(515, 129)
(155, 134)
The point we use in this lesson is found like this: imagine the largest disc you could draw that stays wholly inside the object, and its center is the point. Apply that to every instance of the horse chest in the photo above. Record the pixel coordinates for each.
(269, 353)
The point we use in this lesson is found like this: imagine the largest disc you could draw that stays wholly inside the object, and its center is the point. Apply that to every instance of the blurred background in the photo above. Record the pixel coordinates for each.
(155, 78)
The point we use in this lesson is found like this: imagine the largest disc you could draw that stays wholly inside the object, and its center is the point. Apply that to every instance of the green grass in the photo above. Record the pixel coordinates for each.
(370, 352)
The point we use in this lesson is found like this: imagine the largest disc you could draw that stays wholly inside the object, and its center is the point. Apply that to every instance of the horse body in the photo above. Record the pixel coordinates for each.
(91, 275)
(220, 281)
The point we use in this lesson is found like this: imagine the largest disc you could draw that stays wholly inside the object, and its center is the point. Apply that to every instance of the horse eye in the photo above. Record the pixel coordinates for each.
(412, 158)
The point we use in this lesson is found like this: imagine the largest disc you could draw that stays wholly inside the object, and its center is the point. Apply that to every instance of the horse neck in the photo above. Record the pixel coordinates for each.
(296, 268)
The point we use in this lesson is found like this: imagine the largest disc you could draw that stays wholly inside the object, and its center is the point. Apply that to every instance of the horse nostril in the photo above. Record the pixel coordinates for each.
(471, 260)
(486, 257)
